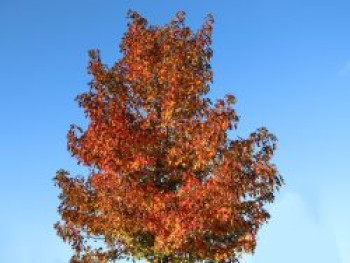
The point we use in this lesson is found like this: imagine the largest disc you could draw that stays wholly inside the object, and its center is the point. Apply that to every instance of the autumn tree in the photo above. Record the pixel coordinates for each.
(165, 183)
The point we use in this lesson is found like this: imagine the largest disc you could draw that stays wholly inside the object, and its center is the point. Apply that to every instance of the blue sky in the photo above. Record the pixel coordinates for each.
(287, 62)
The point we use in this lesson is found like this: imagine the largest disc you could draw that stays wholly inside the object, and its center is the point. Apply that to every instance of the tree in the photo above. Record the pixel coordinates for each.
(165, 183)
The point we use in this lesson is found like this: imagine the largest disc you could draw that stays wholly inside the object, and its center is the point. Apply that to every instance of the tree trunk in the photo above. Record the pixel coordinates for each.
(165, 259)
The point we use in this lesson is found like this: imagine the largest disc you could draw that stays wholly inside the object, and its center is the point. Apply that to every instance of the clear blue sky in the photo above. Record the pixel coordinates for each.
(287, 62)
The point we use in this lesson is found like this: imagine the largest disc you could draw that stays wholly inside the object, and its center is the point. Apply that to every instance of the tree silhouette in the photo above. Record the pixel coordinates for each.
(165, 182)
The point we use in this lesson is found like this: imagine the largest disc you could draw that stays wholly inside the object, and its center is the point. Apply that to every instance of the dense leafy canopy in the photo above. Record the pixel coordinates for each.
(165, 182)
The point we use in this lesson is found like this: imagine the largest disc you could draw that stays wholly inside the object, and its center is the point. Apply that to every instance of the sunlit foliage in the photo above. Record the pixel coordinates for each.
(165, 183)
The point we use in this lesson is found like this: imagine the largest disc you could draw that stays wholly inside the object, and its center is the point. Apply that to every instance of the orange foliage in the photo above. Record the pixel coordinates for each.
(165, 183)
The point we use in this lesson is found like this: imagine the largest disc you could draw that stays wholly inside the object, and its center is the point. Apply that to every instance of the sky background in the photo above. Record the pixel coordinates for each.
(287, 62)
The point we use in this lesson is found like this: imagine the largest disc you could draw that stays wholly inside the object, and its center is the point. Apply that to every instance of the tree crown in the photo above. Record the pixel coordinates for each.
(165, 182)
